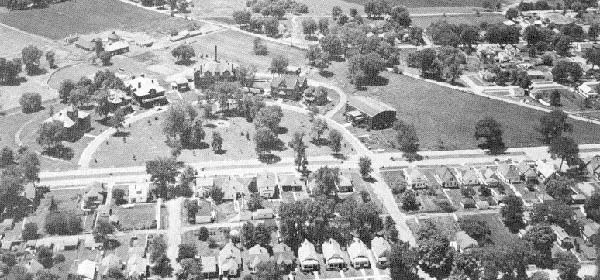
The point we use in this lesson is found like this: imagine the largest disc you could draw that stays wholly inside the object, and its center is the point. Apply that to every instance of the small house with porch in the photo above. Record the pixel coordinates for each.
(359, 254)
(416, 179)
(445, 177)
(380, 248)
(332, 253)
(307, 257)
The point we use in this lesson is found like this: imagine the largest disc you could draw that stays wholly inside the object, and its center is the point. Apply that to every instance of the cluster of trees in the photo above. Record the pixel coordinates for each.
(447, 34)
(183, 127)
(538, 5)
(17, 170)
(9, 70)
(179, 5)
(87, 90)
(407, 140)
(157, 254)
(490, 131)
(444, 63)
(30, 57)
(567, 72)
(541, 39)
(276, 8)
(30, 102)
(184, 54)
(316, 220)
(266, 124)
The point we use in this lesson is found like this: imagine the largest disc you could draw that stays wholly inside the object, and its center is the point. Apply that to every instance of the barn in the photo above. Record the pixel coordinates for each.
(362, 110)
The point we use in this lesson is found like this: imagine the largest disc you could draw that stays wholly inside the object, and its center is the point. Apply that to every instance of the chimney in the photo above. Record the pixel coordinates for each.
(139, 84)
(216, 53)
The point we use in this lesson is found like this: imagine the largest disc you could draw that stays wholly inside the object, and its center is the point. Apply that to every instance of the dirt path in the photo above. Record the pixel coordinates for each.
(174, 230)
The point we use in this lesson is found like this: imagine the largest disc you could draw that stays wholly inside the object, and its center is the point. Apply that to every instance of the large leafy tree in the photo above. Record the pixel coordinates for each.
(512, 212)
(406, 137)
(592, 207)
(184, 54)
(163, 172)
(553, 124)
(560, 188)
(268, 270)
(566, 149)
(31, 58)
(541, 237)
(567, 264)
(490, 131)
(335, 141)
(269, 117)
(266, 141)
(403, 262)
(326, 181)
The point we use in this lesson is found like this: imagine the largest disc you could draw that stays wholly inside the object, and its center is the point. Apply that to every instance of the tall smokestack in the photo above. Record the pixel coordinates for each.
(216, 53)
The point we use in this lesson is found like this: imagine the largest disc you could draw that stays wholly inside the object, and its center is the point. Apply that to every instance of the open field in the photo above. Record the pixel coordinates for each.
(86, 16)
(141, 216)
(14, 41)
(238, 47)
(431, 3)
(118, 152)
(426, 105)
(424, 22)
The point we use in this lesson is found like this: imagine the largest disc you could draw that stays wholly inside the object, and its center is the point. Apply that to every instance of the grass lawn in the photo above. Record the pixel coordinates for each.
(141, 216)
(238, 47)
(500, 233)
(424, 22)
(361, 185)
(115, 152)
(87, 16)
(426, 105)
(445, 224)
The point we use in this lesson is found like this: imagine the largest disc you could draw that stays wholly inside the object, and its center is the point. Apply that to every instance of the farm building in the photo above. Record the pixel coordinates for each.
(119, 47)
(370, 112)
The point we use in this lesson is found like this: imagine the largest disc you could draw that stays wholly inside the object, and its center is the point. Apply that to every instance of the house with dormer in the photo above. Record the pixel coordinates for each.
(332, 253)
(593, 167)
(446, 178)
(416, 179)
(289, 86)
(469, 177)
(508, 173)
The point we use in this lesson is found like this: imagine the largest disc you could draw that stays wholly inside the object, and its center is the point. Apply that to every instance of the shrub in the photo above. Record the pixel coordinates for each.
(63, 223)
(203, 234)
(445, 205)
(30, 231)
(30, 102)
(59, 258)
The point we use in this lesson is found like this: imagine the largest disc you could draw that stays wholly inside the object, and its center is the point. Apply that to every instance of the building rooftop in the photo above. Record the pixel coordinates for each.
(368, 105)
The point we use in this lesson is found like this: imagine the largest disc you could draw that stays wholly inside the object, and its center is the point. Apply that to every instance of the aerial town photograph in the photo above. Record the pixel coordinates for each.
(300, 139)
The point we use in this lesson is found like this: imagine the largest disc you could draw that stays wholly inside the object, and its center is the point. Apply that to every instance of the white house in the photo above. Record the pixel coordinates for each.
(138, 192)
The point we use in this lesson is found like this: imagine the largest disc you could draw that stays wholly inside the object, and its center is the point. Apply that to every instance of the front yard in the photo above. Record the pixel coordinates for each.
(237, 134)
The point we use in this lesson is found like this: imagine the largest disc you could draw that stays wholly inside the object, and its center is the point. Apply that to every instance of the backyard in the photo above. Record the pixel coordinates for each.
(61, 20)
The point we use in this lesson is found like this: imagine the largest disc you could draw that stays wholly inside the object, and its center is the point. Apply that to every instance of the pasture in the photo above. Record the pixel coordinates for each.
(60, 20)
